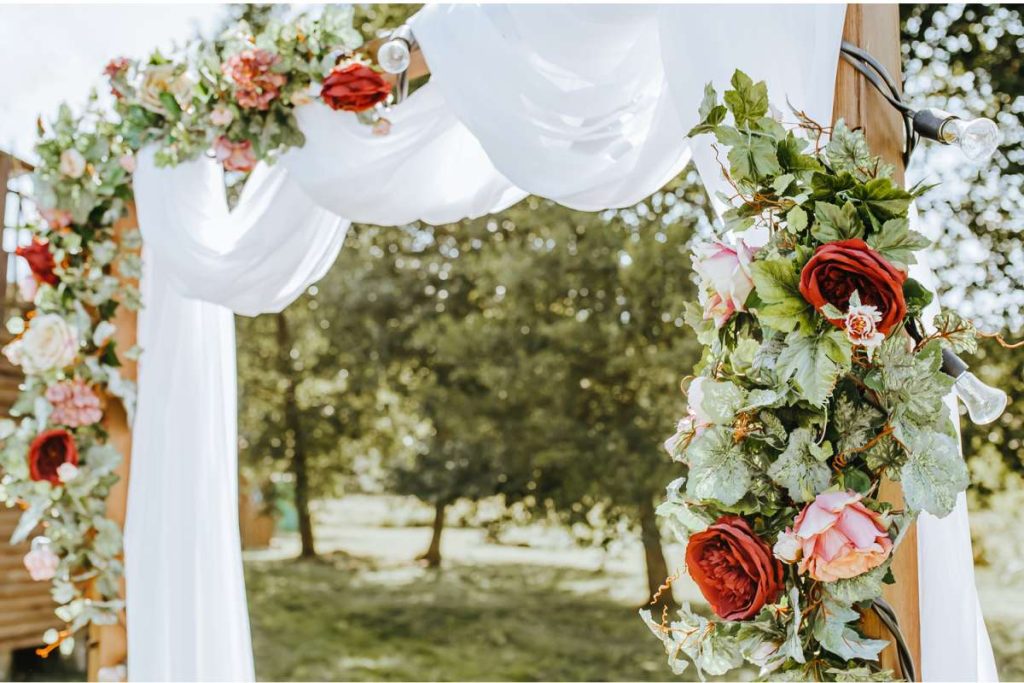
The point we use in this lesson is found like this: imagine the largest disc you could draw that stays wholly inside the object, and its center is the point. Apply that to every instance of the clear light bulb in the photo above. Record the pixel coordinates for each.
(393, 56)
(977, 139)
(984, 403)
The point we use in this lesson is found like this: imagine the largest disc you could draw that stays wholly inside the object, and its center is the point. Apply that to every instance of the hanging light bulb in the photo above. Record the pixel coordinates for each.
(984, 403)
(395, 53)
(977, 138)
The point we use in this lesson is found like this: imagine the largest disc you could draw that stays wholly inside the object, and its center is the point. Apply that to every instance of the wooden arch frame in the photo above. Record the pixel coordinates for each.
(874, 27)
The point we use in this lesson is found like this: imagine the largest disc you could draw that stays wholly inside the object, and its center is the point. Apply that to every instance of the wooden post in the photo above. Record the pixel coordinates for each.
(876, 29)
(108, 645)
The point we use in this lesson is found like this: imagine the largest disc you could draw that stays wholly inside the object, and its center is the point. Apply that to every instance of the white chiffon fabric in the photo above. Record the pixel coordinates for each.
(586, 105)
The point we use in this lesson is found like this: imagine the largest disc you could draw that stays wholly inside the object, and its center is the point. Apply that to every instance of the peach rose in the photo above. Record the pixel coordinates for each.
(839, 537)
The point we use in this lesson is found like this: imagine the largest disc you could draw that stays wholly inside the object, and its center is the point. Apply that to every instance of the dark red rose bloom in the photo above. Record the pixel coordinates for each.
(837, 269)
(49, 451)
(734, 569)
(40, 260)
(354, 87)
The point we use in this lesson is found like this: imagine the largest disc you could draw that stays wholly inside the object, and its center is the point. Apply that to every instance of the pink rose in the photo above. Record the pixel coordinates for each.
(236, 156)
(27, 288)
(40, 561)
(696, 420)
(839, 537)
(725, 278)
(221, 116)
(127, 162)
(56, 218)
(74, 403)
(256, 84)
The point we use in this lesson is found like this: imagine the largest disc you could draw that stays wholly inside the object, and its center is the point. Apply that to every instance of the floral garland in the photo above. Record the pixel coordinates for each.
(811, 391)
(234, 95)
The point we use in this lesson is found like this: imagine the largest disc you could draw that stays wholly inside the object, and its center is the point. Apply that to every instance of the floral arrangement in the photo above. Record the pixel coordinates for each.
(237, 94)
(234, 96)
(810, 392)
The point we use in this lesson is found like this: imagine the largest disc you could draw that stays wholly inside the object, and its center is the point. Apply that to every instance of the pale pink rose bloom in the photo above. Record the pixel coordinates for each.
(696, 420)
(236, 156)
(74, 403)
(56, 218)
(221, 116)
(724, 271)
(41, 563)
(27, 288)
(127, 162)
(861, 327)
(840, 537)
(72, 163)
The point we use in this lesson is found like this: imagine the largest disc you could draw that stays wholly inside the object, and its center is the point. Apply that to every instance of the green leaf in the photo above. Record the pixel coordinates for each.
(718, 469)
(916, 295)
(711, 649)
(832, 223)
(848, 151)
(814, 363)
(867, 586)
(832, 631)
(911, 385)
(748, 101)
(777, 283)
(800, 469)
(957, 333)
(753, 159)
(796, 220)
(897, 242)
(934, 472)
(711, 113)
(857, 422)
(883, 198)
(721, 401)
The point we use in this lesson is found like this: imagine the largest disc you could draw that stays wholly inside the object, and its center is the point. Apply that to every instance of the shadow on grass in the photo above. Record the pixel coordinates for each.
(349, 619)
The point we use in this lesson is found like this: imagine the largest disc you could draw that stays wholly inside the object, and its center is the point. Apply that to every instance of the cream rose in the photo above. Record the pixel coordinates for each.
(72, 163)
(49, 344)
(161, 78)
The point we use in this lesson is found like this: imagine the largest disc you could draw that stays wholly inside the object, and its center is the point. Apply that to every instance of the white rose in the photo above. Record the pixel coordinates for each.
(787, 547)
(66, 472)
(49, 344)
(72, 163)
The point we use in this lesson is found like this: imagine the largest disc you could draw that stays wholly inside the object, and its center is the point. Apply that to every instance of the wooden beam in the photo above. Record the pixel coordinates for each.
(108, 645)
(876, 29)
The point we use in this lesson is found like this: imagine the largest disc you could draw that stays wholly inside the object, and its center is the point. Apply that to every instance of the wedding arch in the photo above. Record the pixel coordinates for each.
(140, 257)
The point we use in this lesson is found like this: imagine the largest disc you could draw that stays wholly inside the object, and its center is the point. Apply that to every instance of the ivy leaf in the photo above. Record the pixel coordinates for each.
(831, 629)
(721, 401)
(748, 101)
(777, 282)
(832, 223)
(882, 198)
(753, 158)
(897, 242)
(916, 295)
(712, 650)
(911, 385)
(711, 113)
(814, 363)
(856, 422)
(959, 334)
(718, 469)
(847, 150)
(796, 220)
(867, 586)
(934, 472)
(801, 469)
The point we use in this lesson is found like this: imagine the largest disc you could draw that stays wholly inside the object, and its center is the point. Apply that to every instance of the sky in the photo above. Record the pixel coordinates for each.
(51, 53)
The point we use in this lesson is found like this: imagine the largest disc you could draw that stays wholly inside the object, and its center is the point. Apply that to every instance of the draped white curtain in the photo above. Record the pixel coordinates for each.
(586, 105)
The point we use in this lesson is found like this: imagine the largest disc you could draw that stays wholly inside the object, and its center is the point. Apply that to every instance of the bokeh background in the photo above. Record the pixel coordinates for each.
(451, 445)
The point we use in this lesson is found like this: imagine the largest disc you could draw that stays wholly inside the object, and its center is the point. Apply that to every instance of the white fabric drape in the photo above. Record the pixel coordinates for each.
(586, 105)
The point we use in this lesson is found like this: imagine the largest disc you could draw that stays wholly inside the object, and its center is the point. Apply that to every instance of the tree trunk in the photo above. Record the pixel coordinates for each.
(293, 425)
(654, 557)
(433, 554)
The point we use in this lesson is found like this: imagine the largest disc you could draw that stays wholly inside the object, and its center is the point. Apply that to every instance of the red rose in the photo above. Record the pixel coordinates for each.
(49, 451)
(734, 569)
(40, 260)
(355, 87)
(837, 269)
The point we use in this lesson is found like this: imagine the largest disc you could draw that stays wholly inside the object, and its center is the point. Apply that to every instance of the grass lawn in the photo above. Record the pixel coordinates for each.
(349, 619)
